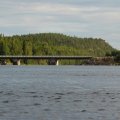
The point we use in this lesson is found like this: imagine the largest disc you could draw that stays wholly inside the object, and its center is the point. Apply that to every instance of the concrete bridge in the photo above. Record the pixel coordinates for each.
(52, 60)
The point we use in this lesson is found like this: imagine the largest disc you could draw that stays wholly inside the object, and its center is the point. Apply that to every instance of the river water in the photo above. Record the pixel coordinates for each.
(59, 93)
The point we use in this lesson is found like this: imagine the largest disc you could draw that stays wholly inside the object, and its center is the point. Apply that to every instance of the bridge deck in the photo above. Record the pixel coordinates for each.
(45, 57)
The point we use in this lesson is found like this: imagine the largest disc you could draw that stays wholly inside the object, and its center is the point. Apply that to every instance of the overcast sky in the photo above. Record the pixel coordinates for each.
(82, 18)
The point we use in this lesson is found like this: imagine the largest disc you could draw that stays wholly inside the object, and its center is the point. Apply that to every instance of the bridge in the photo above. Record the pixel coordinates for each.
(52, 60)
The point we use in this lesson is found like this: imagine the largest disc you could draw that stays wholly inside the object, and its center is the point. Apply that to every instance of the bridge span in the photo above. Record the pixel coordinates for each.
(52, 60)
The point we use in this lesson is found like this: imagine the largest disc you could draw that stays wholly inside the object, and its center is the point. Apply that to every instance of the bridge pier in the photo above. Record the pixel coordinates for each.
(3, 62)
(15, 61)
(53, 62)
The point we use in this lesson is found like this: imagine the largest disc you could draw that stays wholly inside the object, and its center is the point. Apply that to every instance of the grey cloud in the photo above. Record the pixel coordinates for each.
(84, 18)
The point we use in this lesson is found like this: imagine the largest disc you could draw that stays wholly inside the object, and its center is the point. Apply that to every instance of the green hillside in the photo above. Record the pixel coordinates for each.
(52, 44)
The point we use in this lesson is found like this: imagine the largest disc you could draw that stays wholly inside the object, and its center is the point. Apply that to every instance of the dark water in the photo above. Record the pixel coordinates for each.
(59, 93)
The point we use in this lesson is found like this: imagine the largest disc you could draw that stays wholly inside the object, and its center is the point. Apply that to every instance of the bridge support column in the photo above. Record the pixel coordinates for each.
(16, 61)
(53, 62)
(3, 62)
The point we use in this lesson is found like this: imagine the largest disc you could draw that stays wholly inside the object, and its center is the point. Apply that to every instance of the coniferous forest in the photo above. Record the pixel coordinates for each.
(53, 44)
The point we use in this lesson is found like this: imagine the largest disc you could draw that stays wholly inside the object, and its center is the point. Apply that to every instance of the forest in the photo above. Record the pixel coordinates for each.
(53, 44)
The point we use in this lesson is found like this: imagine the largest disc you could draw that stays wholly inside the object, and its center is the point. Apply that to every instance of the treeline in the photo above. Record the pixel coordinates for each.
(116, 55)
(52, 44)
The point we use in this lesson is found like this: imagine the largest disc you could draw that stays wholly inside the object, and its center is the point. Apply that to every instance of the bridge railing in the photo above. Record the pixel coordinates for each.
(45, 57)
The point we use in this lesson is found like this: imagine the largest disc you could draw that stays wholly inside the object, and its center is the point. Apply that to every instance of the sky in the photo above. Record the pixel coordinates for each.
(81, 18)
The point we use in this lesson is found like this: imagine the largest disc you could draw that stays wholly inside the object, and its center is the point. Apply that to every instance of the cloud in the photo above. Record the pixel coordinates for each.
(86, 18)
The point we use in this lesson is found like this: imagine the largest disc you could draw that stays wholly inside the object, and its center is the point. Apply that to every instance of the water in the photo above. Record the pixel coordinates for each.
(59, 93)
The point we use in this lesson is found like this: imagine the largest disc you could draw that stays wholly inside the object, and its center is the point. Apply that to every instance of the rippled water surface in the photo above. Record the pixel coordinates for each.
(59, 93)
